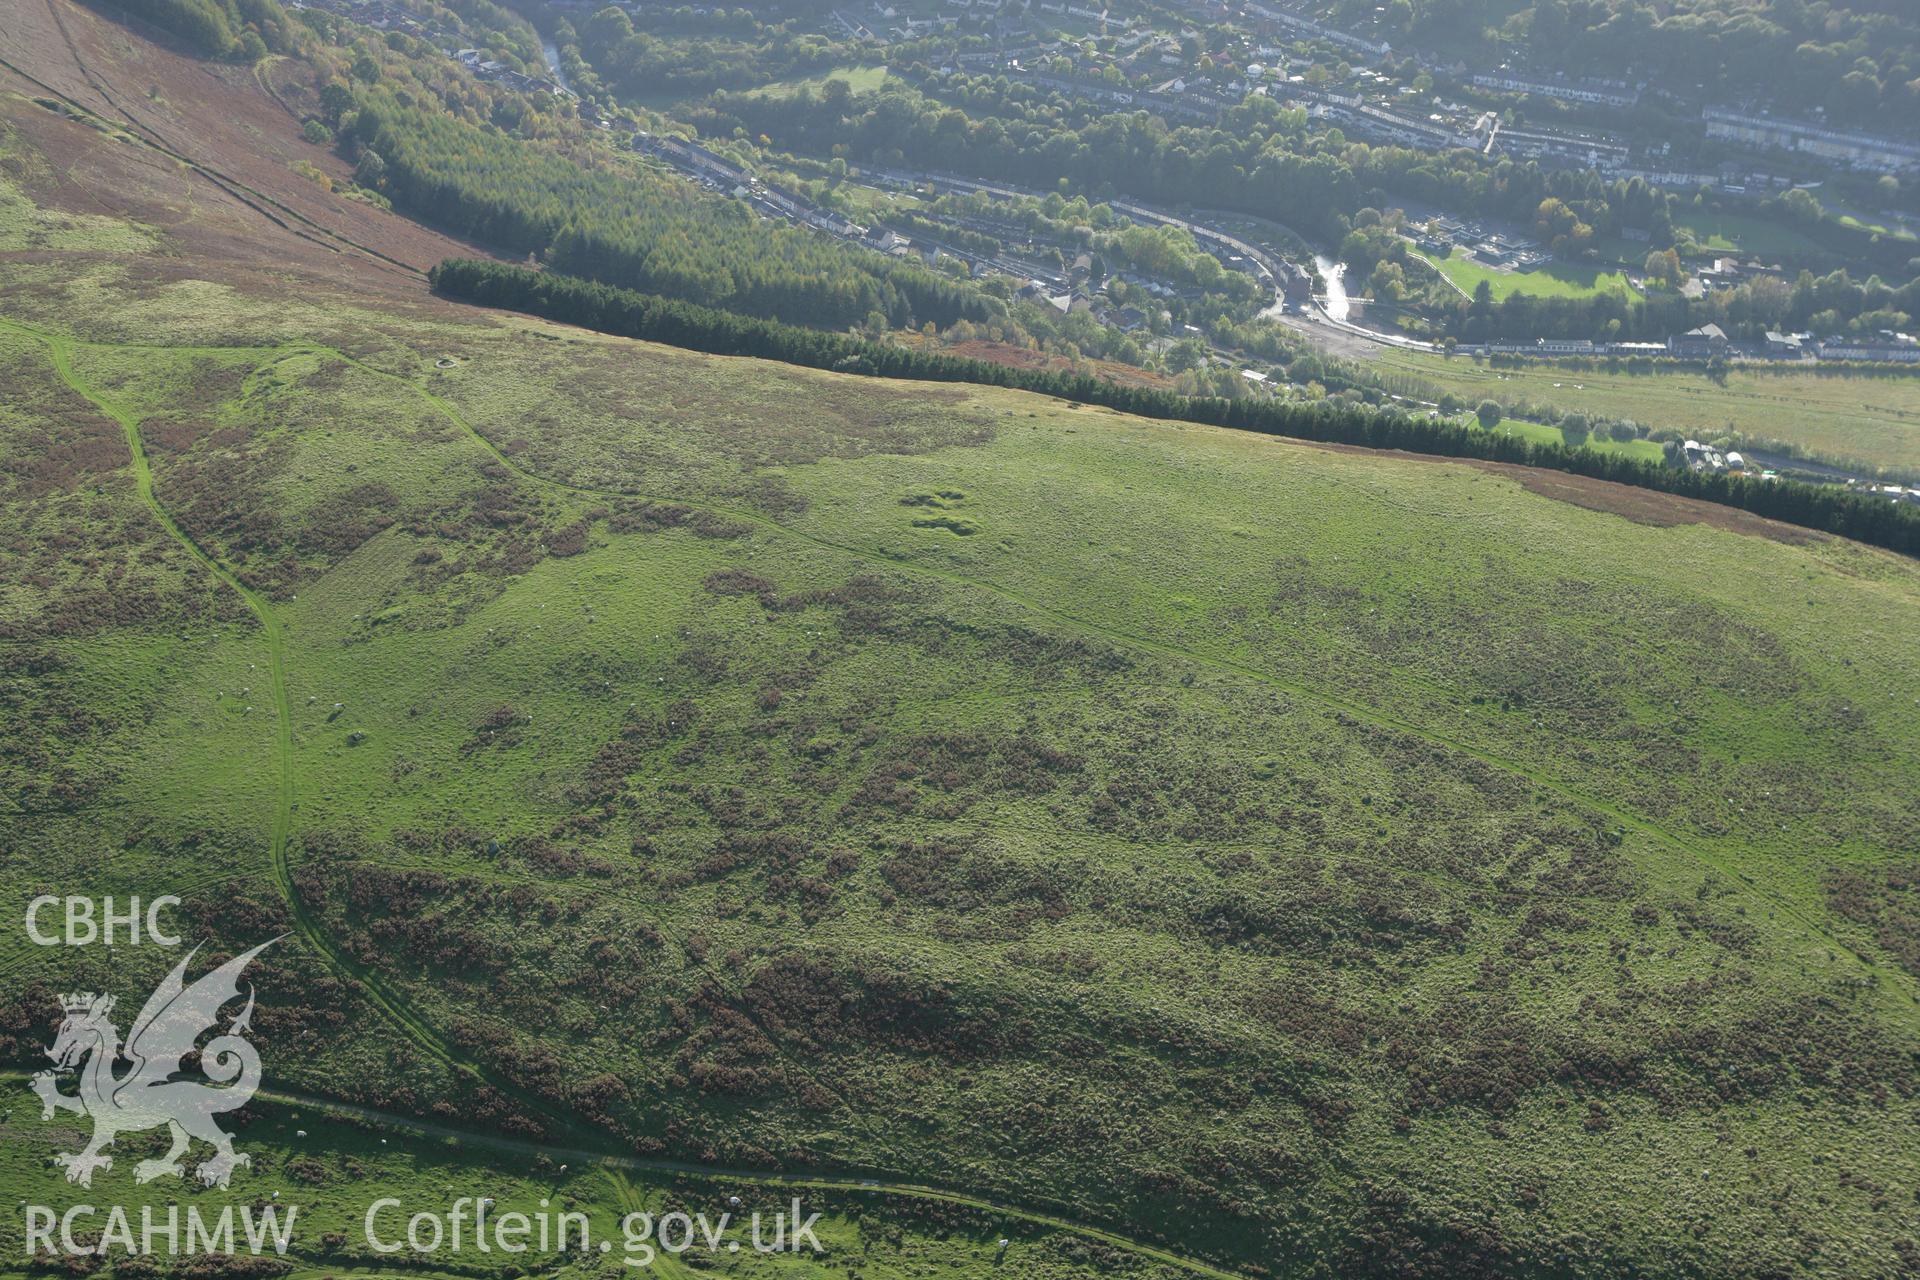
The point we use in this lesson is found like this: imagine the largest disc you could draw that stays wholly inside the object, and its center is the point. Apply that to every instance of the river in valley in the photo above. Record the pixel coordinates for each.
(552, 55)
(1335, 276)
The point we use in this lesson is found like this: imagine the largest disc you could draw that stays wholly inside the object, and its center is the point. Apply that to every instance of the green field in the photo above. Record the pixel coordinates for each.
(860, 79)
(1865, 422)
(1877, 228)
(1555, 280)
(1178, 852)
(1741, 233)
(1543, 433)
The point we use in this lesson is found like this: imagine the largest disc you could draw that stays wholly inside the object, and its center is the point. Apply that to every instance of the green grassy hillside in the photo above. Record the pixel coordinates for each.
(1310, 862)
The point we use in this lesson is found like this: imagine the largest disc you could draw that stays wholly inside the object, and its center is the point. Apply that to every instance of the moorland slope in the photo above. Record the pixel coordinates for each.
(1318, 861)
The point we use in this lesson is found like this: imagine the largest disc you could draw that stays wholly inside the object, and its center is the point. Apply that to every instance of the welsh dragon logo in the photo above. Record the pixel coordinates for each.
(147, 1094)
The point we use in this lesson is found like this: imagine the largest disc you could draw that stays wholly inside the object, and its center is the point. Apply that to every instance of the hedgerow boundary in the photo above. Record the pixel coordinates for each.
(623, 312)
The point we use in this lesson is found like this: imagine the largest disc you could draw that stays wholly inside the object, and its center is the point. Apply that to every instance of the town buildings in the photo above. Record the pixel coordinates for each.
(1855, 150)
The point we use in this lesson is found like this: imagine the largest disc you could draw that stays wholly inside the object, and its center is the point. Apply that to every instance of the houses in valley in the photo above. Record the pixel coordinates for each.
(1869, 152)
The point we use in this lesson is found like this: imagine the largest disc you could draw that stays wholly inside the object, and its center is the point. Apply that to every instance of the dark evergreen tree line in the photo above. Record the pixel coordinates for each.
(608, 309)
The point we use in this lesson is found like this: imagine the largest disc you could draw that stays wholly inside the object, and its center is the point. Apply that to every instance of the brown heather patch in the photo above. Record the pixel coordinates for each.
(1646, 506)
(243, 216)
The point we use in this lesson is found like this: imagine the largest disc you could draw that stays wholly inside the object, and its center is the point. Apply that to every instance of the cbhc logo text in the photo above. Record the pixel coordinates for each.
(87, 922)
